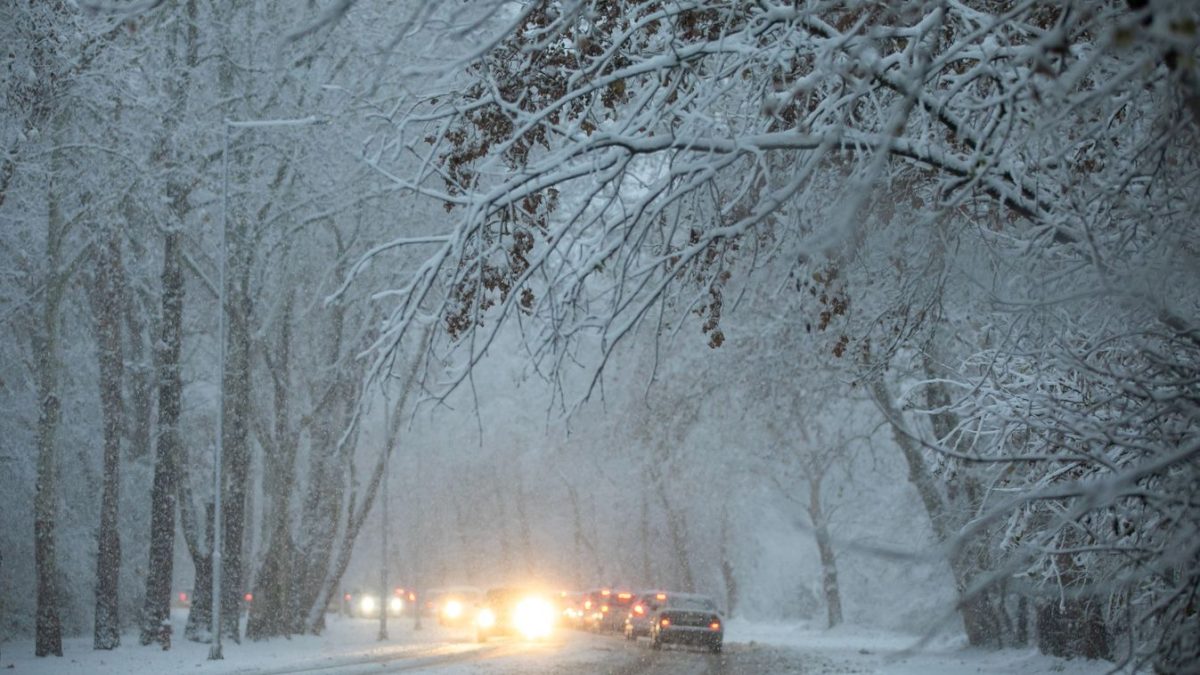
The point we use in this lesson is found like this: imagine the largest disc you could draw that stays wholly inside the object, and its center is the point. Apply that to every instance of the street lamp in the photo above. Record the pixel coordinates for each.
(214, 652)
(384, 595)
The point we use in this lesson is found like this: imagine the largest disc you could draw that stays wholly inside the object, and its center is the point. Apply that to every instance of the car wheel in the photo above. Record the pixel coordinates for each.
(655, 642)
(716, 648)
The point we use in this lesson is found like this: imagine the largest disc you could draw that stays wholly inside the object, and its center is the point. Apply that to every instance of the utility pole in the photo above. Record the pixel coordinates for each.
(385, 598)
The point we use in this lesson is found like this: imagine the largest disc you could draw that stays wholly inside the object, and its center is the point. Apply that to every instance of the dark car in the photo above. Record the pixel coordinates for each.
(687, 618)
(615, 611)
(515, 611)
(645, 604)
(605, 609)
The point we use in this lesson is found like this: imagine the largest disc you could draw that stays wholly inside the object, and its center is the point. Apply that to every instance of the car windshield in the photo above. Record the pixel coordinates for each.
(695, 604)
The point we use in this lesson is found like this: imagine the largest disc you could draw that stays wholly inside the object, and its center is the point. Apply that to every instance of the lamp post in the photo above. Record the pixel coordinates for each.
(214, 652)
(385, 598)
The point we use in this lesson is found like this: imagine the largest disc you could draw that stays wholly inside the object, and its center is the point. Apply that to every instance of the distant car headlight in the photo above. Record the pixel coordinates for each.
(452, 610)
(486, 618)
(534, 618)
(396, 605)
(367, 604)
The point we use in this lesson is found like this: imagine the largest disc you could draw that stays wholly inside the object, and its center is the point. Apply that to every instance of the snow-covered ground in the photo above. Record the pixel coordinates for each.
(865, 650)
(350, 646)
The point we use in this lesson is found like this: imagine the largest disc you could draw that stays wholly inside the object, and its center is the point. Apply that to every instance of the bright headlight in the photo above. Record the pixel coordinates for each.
(367, 605)
(486, 618)
(534, 618)
(452, 609)
(396, 604)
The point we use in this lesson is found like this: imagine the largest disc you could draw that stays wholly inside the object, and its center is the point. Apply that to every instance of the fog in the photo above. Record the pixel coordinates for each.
(883, 316)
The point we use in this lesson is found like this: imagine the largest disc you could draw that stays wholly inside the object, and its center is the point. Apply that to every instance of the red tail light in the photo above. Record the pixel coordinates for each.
(587, 604)
(639, 610)
(603, 608)
(346, 597)
(183, 597)
(249, 597)
(665, 622)
(661, 596)
(624, 596)
(716, 625)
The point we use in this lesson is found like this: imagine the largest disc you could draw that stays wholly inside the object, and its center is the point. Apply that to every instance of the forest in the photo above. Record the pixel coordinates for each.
(854, 310)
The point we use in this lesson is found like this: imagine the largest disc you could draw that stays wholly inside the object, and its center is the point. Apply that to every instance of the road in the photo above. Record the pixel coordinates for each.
(350, 647)
(450, 653)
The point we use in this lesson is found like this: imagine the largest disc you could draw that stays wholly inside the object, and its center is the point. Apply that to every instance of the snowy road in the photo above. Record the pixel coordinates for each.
(351, 647)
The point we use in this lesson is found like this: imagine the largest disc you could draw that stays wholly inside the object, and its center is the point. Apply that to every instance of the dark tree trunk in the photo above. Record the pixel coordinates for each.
(269, 614)
(236, 446)
(48, 638)
(199, 621)
(157, 605)
(1073, 627)
(107, 310)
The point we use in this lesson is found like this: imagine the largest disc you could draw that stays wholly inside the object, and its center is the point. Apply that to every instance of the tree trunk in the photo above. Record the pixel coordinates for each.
(269, 612)
(727, 569)
(355, 516)
(107, 310)
(160, 571)
(45, 349)
(677, 531)
(829, 575)
(980, 622)
(199, 621)
(236, 442)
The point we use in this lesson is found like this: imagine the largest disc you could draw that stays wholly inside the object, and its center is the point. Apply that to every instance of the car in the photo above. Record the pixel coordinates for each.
(592, 608)
(687, 618)
(572, 608)
(366, 604)
(614, 608)
(453, 604)
(637, 622)
(522, 612)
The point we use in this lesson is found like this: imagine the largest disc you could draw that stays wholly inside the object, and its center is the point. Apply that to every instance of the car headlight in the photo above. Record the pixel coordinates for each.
(534, 618)
(367, 604)
(396, 605)
(452, 610)
(486, 618)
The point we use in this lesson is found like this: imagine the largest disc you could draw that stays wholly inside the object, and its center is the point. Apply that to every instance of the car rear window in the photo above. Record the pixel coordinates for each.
(694, 604)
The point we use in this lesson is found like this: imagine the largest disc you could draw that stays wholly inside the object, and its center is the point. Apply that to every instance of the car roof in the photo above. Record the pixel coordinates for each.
(689, 596)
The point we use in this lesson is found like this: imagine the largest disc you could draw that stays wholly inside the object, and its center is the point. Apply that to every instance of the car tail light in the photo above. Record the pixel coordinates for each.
(587, 604)
(346, 597)
(399, 592)
(661, 596)
(606, 592)
(624, 596)
(639, 610)
(665, 622)
(603, 608)
(249, 597)
(716, 625)
(183, 597)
